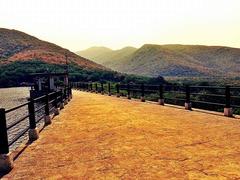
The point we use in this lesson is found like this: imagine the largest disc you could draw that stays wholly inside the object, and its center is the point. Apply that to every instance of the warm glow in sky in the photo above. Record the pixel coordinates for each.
(79, 24)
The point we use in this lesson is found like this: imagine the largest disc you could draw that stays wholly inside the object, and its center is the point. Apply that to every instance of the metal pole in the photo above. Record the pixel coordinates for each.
(128, 91)
(227, 96)
(227, 109)
(31, 111)
(102, 89)
(187, 94)
(142, 91)
(47, 105)
(160, 100)
(117, 87)
(96, 86)
(4, 149)
(188, 105)
(109, 89)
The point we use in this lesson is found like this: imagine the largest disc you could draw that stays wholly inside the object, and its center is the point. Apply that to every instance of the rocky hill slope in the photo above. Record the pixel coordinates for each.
(19, 46)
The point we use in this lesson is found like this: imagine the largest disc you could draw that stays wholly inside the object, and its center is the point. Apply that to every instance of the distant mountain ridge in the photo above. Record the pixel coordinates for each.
(95, 52)
(104, 55)
(176, 61)
(18, 46)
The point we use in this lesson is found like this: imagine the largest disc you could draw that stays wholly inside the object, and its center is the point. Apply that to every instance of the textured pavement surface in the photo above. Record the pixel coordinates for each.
(102, 137)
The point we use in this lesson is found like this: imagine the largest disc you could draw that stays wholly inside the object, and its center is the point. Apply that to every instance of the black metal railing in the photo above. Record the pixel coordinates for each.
(37, 109)
(214, 98)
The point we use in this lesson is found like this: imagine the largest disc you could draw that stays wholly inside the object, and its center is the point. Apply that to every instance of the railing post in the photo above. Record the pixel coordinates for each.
(6, 162)
(227, 109)
(61, 100)
(70, 92)
(128, 91)
(3, 133)
(33, 132)
(142, 93)
(109, 89)
(56, 111)
(96, 87)
(47, 117)
(161, 98)
(117, 87)
(69, 89)
(102, 89)
(188, 105)
(91, 87)
(65, 96)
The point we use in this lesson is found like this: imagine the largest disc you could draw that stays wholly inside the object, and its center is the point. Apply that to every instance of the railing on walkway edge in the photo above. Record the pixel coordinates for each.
(49, 104)
(215, 98)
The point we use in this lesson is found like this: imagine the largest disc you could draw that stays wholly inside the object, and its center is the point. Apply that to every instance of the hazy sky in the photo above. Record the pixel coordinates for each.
(79, 24)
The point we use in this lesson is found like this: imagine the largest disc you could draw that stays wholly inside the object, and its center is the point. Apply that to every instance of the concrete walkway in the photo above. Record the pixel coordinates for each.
(101, 137)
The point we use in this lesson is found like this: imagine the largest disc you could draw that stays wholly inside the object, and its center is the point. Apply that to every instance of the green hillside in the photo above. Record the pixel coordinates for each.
(22, 54)
(177, 61)
(106, 56)
(95, 53)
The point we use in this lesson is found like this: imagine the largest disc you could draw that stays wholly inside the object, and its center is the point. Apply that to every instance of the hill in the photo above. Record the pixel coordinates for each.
(18, 46)
(179, 61)
(107, 56)
(95, 53)
(22, 55)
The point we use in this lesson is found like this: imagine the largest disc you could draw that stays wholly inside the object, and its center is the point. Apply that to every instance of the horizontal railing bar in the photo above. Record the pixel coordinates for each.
(17, 107)
(50, 102)
(173, 86)
(18, 136)
(205, 102)
(40, 108)
(146, 85)
(177, 92)
(41, 117)
(17, 122)
(175, 99)
(52, 93)
(137, 90)
(215, 95)
(51, 108)
(39, 98)
(234, 87)
(150, 91)
(208, 87)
